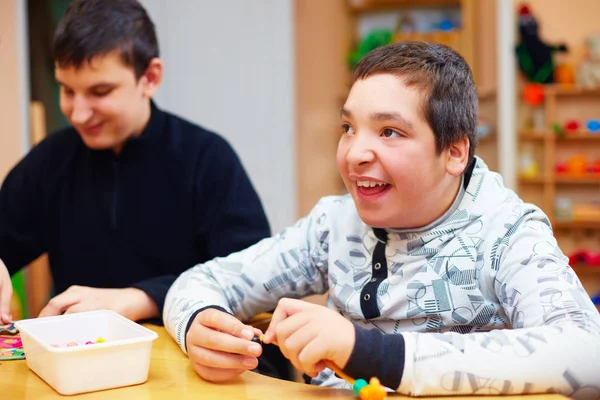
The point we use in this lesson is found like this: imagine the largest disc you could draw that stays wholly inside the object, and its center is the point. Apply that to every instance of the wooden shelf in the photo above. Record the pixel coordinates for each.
(568, 137)
(593, 179)
(574, 90)
(579, 136)
(532, 135)
(358, 6)
(576, 225)
(536, 180)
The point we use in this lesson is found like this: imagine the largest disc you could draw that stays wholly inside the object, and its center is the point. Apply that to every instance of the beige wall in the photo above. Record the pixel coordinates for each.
(11, 93)
(567, 22)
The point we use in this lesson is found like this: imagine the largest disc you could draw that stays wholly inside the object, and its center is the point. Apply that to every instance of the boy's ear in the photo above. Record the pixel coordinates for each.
(152, 77)
(457, 156)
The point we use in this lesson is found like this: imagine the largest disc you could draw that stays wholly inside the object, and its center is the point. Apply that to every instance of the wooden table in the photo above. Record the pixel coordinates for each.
(172, 377)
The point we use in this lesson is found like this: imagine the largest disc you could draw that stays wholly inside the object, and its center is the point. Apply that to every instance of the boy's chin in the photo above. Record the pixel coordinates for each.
(374, 221)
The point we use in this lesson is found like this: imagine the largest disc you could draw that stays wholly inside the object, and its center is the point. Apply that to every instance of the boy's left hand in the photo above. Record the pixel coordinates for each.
(309, 334)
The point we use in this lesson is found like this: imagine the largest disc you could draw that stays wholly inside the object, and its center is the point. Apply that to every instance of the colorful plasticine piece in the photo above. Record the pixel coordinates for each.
(365, 391)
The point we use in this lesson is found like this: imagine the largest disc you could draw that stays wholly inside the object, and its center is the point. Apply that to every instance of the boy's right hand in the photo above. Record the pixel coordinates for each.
(5, 294)
(219, 346)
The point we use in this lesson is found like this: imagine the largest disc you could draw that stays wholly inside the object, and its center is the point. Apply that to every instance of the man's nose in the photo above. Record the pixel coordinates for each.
(81, 113)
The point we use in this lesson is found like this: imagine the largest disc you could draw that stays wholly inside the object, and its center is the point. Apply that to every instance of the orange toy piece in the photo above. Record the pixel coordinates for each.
(577, 165)
(533, 94)
(374, 391)
(564, 74)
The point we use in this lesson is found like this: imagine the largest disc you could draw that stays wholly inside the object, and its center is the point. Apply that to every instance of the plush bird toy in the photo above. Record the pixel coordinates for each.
(535, 57)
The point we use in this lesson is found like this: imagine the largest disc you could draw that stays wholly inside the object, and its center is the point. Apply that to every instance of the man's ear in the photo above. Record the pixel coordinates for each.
(152, 77)
(457, 156)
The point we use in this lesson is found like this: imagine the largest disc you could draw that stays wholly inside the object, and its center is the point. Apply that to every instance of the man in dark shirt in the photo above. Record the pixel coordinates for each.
(129, 196)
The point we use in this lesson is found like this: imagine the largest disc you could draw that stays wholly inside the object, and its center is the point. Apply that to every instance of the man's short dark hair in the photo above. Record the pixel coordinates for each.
(97, 27)
(450, 97)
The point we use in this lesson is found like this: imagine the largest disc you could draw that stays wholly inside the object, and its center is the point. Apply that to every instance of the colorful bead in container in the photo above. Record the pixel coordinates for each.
(75, 344)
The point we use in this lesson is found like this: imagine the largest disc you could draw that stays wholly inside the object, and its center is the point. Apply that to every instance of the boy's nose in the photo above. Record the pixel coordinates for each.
(360, 152)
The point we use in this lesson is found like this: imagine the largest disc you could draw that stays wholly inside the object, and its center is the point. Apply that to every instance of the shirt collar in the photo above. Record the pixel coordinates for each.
(153, 129)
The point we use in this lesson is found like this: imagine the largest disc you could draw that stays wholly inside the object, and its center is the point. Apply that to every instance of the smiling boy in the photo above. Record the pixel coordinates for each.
(441, 280)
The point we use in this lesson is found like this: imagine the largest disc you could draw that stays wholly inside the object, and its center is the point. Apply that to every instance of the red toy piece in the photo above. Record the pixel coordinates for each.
(572, 126)
(587, 257)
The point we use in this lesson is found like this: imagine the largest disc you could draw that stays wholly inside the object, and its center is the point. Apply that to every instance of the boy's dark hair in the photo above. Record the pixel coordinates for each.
(450, 105)
(96, 27)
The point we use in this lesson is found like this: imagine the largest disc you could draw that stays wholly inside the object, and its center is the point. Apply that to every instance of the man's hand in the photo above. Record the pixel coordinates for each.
(130, 302)
(6, 291)
(310, 334)
(219, 346)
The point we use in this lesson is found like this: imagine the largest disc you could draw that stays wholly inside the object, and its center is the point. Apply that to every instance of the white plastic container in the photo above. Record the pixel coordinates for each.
(122, 360)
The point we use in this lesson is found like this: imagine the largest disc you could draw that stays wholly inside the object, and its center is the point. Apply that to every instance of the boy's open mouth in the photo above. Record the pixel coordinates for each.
(370, 188)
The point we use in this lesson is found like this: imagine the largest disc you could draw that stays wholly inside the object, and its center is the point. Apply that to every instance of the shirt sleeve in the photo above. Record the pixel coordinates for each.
(231, 216)
(21, 215)
(554, 343)
(291, 264)
(156, 288)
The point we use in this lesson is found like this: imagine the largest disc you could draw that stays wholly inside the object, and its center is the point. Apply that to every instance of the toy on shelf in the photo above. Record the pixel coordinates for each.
(578, 166)
(587, 257)
(572, 126)
(529, 167)
(484, 127)
(588, 74)
(376, 38)
(563, 209)
(536, 58)
(564, 74)
(593, 125)
(533, 96)
(596, 299)
(566, 211)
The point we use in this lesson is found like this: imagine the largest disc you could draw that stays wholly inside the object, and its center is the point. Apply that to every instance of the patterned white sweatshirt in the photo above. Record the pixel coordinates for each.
(481, 301)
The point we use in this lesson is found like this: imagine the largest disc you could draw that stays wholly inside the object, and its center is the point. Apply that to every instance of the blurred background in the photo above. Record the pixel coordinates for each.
(272, 75)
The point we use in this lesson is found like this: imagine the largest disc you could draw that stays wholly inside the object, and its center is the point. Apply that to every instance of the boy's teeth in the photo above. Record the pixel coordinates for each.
(369, 183)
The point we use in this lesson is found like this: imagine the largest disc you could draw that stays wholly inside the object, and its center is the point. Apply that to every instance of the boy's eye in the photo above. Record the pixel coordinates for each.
(101, 93)
(347, 129)
(68, 92)
(388, 133)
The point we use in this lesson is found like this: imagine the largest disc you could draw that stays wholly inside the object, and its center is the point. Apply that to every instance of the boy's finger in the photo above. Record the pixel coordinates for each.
(212, 339)
(285, 308)
(220, 359)
(225, 322)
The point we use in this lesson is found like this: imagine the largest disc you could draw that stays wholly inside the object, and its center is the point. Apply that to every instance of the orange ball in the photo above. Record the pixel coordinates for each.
(533, 94)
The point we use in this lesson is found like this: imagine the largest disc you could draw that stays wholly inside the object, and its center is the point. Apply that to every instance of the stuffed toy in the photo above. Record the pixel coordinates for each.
(534, 56)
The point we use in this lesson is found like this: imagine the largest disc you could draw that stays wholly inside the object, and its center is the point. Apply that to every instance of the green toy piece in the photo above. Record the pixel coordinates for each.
(375, 39)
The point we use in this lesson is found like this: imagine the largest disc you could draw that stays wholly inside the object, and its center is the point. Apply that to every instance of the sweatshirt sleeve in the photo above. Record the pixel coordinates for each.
(291, 264)
(554, 343)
